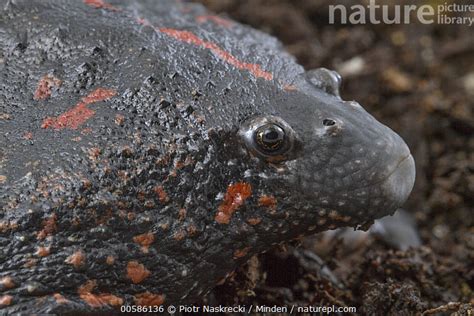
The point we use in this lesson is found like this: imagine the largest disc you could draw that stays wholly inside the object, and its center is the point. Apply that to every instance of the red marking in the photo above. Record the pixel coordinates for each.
(119, 119)
(101, 4)
(190, 38)
(239, 253)
(290, 87)
(137, 272)
(254, 221)
(162, 195)
(182, 214)
(214, 18)
(77, 259)
(46, 83)
(179, 235)
(94, 153)
(6, 300)
(28, 135)
(7, 282)
(235, 197)
(144, 240)
(99, 94)
(79, 114)
(149, 299)
(97, 300)
(60, 299)
(192, 230)
(268, 201)
(110, 260)
(5, 226)
(49, 227)
(43, 251)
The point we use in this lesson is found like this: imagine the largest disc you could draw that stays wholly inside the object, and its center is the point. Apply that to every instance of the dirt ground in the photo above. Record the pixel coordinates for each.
(419, 80)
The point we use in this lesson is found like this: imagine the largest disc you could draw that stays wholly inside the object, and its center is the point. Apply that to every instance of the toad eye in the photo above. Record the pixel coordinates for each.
(270, 137)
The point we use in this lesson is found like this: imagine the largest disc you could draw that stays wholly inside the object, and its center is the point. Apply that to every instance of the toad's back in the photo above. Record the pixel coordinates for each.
(129, 55)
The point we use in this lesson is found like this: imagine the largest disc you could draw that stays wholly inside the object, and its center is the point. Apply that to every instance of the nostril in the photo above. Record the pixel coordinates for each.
(328, 122)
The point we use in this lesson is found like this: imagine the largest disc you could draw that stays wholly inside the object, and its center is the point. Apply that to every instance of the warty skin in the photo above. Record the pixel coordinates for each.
(148, 150)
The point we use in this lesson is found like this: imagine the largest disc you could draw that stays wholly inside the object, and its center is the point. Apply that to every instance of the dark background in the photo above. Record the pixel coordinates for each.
(419, 80)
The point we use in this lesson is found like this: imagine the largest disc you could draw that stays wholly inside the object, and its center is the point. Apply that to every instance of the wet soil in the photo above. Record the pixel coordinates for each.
(419, 80)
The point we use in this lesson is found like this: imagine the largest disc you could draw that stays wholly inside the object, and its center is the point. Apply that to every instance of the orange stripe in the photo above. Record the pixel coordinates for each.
(79, 114)
(190, 38)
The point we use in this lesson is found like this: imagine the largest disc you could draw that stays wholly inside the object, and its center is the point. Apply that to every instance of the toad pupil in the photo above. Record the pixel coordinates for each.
(270, 137)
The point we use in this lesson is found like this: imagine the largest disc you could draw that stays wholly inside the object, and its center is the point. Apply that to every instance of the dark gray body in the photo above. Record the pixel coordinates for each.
(153, 186)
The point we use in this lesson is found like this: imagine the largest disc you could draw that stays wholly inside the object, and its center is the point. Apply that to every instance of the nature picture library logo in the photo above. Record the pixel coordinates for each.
(376, 13)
